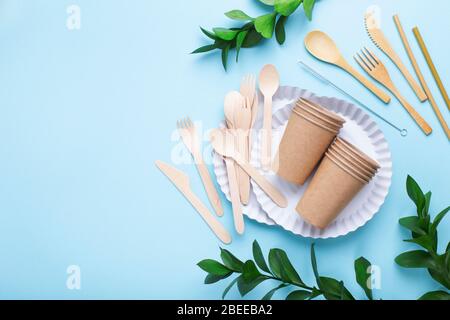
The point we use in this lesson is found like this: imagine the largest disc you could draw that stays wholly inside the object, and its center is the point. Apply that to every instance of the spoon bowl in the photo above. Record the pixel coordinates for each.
(321, 46)
(269, 80)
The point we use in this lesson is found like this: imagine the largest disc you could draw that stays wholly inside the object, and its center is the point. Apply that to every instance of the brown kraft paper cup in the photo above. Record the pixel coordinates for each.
(315, 107)
(342, 151)
(348, 166)
(311, 115)
(330, 191)
(361, 155)
(302, 147)
(368, 175)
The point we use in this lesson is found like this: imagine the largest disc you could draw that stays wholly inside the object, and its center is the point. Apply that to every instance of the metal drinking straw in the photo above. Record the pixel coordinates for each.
(403, 132)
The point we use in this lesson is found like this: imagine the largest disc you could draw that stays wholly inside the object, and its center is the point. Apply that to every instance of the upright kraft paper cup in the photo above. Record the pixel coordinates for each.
(330, 191)
(303, 145)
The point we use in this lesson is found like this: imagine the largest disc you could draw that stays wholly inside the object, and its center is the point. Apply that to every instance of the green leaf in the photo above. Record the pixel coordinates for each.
(238, 15)
(239, 41)
(314, 264)
(228, 288)
(439, 218)
(363, 276)
(436, 295)
(426, 205)
(230, 261)
(213, 278)
(415, 194)
(286, 7)
(308, 6)
(440, 276)
(282, 267)
(253, 38)
(424, 241)
(225, 34)
(213, 267)
(208, 34)
(415, 259)
(334, 290)
(225, 52)
(268, 2)
(249, 271)
(203, 49)
(265, 25)
(270, 294)
(413, 224)
(299, 295)
(280, 31)
(259, 257)
(447, 258)
(245, 286)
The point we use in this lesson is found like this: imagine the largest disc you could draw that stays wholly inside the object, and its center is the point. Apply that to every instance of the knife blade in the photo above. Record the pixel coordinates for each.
(182, 183)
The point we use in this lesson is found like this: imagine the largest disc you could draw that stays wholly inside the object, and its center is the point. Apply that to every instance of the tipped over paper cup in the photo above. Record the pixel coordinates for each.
(342, 174)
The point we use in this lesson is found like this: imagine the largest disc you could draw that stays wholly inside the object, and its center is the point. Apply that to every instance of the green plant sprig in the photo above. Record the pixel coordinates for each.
(254, 30)
(251, 273)
(424, 233)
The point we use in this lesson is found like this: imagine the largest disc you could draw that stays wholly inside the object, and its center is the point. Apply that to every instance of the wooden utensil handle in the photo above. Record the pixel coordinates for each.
(266, 149)
(218, 229)
(414, 114)
(234, 195)
(243, 178)
(383, 96)
(210, 189)
(412, 82)
(265, 185)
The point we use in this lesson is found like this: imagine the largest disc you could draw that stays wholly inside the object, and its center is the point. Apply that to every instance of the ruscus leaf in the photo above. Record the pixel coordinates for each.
(213, 267)
(230, 261)
(280, 30)
(286, 7)
(363, 276)
(436, 295)
(299, 295)
(308, 6)
(238, 15)
(265, 25)
(259, 257)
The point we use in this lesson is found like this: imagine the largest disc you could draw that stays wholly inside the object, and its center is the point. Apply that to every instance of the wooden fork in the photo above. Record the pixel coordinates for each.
(190, 138)
(376, 69)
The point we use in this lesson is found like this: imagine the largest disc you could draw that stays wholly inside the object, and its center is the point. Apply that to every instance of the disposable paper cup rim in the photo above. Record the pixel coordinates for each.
(358, 153)
(363, 172)
(347, 154)
(346, 168)
(333, 131)
(334, 124)
(317, 107)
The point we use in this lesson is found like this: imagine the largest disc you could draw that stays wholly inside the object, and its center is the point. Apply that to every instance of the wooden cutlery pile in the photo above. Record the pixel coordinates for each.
(241, 110)
(321, 46)
(233, 143)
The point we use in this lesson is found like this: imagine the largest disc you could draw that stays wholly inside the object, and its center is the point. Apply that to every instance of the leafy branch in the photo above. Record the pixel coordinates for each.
(254, 30)
(251, 273)
(424, 233)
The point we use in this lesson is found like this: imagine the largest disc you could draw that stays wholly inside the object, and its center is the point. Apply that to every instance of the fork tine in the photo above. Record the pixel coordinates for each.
(362, 63)
(372, 55)
(369, 58)
(371, 64)
(191, 124)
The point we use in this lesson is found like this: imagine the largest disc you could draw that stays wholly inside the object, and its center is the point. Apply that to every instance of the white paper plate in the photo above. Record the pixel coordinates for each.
(359, 129)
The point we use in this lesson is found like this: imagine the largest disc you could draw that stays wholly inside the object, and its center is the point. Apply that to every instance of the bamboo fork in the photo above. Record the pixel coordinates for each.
(376, 69)
(190, 138)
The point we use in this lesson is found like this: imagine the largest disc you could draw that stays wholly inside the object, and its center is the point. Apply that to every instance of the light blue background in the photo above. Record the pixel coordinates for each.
(84, 114)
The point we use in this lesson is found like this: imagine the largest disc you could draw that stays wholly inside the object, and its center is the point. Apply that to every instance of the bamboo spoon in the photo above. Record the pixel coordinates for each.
(230, 101)
(419, 74)
(373, 66)
(269, 82)
(321, 46)
(223, 144)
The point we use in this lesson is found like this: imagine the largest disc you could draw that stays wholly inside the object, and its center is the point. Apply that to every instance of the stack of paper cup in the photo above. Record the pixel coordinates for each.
(344, 171)
(310, 131)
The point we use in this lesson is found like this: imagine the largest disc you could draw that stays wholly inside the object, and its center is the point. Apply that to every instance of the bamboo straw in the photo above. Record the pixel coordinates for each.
(431, 65)
(420, 75)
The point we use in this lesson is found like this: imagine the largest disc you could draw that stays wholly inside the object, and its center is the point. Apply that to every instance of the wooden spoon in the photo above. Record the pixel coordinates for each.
(321, 46)
(224, 145)
(269, 82)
